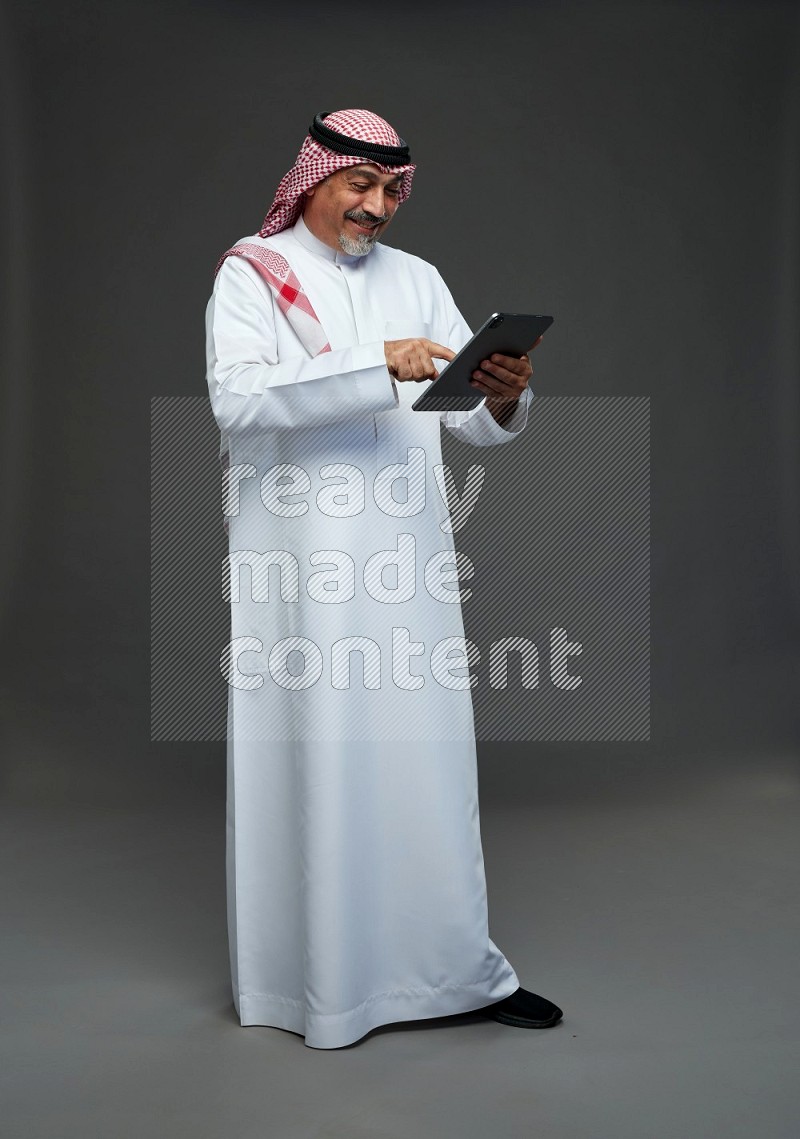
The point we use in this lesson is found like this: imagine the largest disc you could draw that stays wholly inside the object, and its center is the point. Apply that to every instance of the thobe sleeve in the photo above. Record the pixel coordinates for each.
(249, 387)
(478, 425)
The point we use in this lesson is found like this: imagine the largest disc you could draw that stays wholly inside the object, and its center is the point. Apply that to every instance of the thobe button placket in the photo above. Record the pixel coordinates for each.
(387, 437)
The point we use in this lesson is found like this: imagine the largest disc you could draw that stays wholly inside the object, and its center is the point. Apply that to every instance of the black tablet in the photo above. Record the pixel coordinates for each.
(509, 333)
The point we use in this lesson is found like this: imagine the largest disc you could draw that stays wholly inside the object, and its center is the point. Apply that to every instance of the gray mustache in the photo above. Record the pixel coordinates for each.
(366, 219)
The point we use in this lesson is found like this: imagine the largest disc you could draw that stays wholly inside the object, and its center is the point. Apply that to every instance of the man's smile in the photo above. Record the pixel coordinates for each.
(364, 228)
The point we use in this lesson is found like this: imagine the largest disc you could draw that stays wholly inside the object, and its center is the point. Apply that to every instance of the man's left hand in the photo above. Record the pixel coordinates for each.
(503, 379)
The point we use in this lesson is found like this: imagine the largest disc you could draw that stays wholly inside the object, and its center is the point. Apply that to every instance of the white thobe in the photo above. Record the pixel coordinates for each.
(355, 875)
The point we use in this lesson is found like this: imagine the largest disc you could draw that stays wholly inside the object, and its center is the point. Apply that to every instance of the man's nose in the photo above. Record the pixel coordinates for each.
(374, 202)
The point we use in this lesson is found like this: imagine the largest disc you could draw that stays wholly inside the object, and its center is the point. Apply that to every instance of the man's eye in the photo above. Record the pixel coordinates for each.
(360, 189)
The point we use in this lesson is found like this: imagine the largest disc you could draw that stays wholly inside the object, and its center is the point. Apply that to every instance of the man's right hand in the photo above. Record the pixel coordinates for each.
(412, 359)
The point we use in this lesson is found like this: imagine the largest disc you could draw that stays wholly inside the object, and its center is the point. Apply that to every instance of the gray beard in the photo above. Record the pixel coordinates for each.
(357, 246)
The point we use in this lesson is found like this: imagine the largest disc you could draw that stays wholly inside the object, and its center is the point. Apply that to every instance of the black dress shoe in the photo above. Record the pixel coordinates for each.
(524, 1010)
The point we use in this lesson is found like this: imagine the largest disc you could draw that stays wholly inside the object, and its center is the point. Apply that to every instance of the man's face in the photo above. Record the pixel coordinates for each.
(351, 208)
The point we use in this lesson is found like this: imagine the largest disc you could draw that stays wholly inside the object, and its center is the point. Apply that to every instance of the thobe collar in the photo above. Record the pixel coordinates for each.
(303, 234)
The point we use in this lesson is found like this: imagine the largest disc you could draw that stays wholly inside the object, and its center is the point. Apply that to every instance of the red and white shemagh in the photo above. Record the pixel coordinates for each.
(313, 163)
(289, 294)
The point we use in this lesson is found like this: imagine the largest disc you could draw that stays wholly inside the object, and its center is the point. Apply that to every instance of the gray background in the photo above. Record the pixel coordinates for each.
(631, 169)
(634, 170)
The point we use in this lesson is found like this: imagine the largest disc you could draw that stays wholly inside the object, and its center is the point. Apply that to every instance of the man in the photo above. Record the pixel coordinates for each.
(356, 888)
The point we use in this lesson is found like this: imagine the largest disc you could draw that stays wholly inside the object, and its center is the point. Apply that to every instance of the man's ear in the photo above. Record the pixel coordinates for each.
(310, 191)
